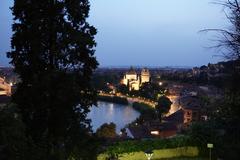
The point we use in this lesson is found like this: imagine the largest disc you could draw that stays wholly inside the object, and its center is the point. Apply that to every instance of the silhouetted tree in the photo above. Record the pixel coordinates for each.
(163, 106)
(229, 38)
(122, 88)
(53, 53)
(227, 110)
(151, 91)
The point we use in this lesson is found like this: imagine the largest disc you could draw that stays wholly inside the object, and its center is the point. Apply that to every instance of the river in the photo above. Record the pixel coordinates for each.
(107, 112)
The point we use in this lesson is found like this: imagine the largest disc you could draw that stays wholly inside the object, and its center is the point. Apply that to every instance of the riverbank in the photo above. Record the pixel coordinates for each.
(113, 99)
(143, 108)
(119, 98)
(107, 112)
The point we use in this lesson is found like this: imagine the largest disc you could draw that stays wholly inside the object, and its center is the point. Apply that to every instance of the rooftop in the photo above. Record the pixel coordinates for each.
(176, 118)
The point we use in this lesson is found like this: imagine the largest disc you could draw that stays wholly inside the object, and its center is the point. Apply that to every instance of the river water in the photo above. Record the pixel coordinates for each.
(107, 112)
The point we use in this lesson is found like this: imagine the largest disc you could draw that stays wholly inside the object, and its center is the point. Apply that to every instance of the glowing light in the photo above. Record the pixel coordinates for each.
(154, 132)
(149, 154)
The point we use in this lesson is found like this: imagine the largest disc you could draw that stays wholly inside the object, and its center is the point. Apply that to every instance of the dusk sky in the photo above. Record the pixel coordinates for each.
(144, 32)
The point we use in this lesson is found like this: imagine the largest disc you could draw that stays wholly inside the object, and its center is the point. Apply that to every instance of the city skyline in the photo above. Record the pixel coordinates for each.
(143, 33)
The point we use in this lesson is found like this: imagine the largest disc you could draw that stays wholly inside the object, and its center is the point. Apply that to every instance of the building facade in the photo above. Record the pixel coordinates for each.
(5, 88)
(134, 81)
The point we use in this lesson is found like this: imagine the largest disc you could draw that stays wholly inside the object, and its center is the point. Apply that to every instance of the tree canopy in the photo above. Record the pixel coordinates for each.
(151, 91)
(163, 106)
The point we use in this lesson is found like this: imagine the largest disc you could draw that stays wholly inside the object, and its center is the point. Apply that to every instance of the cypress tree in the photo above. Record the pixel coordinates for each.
(52, 51)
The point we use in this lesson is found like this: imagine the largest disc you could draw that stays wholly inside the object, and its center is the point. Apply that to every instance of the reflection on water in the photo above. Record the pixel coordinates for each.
(106, 112)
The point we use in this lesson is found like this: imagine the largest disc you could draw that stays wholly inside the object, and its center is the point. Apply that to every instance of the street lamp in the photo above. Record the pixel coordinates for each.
(149, 154)
(210, 146)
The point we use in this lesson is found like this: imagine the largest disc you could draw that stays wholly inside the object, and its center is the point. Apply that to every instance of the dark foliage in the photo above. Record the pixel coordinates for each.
(203, 133)
(146, 112)
(163, 106)
(53, 53)
(151, 91)
(101, 81)
(122, 88)
(143, 108)
(13, 141)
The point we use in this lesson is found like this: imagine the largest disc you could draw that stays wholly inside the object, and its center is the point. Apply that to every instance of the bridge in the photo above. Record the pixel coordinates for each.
(5, 88)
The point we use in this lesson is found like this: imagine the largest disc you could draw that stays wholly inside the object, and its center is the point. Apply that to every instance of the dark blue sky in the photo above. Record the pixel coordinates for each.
(143, 32)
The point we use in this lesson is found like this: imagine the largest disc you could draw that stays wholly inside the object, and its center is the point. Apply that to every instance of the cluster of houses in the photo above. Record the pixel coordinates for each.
(191, 109)
(218, 70)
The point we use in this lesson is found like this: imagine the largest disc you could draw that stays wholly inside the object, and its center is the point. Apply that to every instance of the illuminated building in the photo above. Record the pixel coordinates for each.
(134, 81)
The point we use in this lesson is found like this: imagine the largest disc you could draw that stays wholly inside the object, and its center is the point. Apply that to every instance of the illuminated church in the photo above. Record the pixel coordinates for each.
(134, 81)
